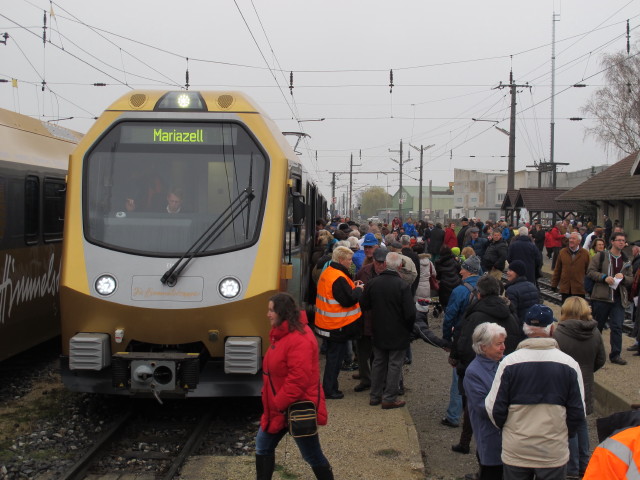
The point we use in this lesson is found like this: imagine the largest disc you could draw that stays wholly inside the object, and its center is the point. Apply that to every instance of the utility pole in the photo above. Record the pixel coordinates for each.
(553, 96)
(422, 150)
(400, 190)
(511, 168)
(350, 187)
(333, 194)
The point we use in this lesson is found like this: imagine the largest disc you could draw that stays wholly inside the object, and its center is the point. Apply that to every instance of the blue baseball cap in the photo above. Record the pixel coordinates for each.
(370, 240)
(539, 316)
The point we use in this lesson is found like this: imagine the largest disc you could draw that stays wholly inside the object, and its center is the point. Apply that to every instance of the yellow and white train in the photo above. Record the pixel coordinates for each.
(185, 212)
(33, 164)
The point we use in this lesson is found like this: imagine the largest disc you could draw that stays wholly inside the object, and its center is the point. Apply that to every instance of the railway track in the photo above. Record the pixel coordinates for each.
(547, 294)
(145, 440)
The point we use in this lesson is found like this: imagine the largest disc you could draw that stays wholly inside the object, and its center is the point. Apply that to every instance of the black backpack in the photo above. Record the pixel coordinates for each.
(473, 295)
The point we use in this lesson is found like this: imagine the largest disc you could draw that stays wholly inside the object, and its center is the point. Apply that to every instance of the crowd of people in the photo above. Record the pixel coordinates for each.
(522, 381)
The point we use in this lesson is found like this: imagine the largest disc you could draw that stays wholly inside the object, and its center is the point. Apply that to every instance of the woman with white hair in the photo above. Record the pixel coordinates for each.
(489, 344)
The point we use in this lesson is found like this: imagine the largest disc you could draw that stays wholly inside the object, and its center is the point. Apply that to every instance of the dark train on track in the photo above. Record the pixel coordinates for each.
(174, 304)
(33, 164)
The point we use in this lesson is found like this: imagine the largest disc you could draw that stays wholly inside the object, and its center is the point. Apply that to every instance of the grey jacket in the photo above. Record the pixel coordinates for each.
(601, 291)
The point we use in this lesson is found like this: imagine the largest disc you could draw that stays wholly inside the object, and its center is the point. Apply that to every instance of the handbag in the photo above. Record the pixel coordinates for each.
(302, 416)
(433, 281)
(302, 419)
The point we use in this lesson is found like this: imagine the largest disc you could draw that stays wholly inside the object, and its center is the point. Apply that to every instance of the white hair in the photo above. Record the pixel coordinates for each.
(523, 231)
(484, 334)
(530, 330)
(394, 260)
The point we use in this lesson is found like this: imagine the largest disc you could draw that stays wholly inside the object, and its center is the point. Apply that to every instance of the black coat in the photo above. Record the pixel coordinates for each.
(407, 252)
(493, 309)
(494, 256)
(523, 248)
(448, 274)
(523, 295)
(394, 310)
(436, 239)
(538, 238)
(461, 233)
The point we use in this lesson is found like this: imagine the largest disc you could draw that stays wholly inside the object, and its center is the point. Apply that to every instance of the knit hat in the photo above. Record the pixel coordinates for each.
(539, 316)
(370, 240)
(518, 267)
(472, 265)
(455, 251)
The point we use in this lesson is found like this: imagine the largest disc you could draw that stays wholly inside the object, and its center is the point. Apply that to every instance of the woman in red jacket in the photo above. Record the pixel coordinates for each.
(450, 239)
(291, 372)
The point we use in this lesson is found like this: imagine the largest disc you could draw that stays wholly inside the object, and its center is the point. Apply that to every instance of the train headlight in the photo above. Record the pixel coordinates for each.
(229, 287)
(105, 285)
(181, 100)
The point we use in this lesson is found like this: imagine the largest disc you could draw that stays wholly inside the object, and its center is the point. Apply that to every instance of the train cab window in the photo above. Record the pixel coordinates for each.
(154, 188)
(31, 209)
(53, 209)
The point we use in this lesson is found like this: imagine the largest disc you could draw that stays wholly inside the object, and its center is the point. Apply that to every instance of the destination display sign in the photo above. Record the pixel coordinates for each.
(184, 134)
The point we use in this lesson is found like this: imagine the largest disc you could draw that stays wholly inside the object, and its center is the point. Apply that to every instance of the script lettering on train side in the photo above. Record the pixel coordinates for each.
(15, 290)
(176, 136)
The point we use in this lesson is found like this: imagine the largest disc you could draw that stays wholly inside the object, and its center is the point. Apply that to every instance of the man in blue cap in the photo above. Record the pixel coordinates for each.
(364, 256)
(537, 400)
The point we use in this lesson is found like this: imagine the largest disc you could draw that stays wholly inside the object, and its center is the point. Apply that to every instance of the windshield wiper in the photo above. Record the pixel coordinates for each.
(210, 235)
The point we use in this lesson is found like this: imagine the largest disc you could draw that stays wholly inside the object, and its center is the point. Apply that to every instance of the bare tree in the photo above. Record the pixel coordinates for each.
(616, 106)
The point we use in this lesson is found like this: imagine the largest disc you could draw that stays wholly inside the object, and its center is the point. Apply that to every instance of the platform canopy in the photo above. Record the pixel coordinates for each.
(538, 201)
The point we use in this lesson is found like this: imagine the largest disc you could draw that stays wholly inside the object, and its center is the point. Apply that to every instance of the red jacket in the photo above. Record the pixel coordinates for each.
(556, 238)
(291, 368)
(450, 239)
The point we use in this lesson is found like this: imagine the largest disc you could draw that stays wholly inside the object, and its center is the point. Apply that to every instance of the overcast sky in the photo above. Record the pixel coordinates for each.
(447, 57)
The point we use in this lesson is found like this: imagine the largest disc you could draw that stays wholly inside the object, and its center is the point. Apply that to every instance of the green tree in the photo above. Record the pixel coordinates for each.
(616, 106)
(372, 200)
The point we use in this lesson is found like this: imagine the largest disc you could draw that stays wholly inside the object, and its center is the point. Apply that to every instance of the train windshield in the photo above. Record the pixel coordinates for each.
(155, 188)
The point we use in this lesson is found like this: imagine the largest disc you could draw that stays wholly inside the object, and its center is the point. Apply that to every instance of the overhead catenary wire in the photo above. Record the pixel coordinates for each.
(397, 116)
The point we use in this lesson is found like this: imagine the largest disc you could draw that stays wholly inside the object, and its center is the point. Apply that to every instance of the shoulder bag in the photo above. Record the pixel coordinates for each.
(302, 416)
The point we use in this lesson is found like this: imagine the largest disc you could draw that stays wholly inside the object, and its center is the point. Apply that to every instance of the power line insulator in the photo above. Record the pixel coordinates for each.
(390, 81)
(291, 87)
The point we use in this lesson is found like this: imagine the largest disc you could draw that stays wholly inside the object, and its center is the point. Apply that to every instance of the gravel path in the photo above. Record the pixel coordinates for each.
(427, 381)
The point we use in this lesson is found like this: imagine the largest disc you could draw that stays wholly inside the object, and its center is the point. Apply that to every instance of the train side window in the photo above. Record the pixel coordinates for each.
(3, 208)
(54, 190)
(31, 209)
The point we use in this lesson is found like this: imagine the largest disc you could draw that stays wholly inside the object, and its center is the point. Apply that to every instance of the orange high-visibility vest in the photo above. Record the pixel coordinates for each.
(330, 315)
(618, 457)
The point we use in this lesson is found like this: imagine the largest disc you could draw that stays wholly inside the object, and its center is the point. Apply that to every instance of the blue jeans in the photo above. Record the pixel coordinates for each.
(335, 355)
(614, 313)
(579, 450)
(454, 410)
(310, 449)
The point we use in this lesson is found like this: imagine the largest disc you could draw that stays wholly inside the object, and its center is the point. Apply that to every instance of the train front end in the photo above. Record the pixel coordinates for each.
(173, 244)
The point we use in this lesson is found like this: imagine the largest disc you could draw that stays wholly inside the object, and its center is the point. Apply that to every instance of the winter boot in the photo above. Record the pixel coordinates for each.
(264, 466)
(324, 472)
